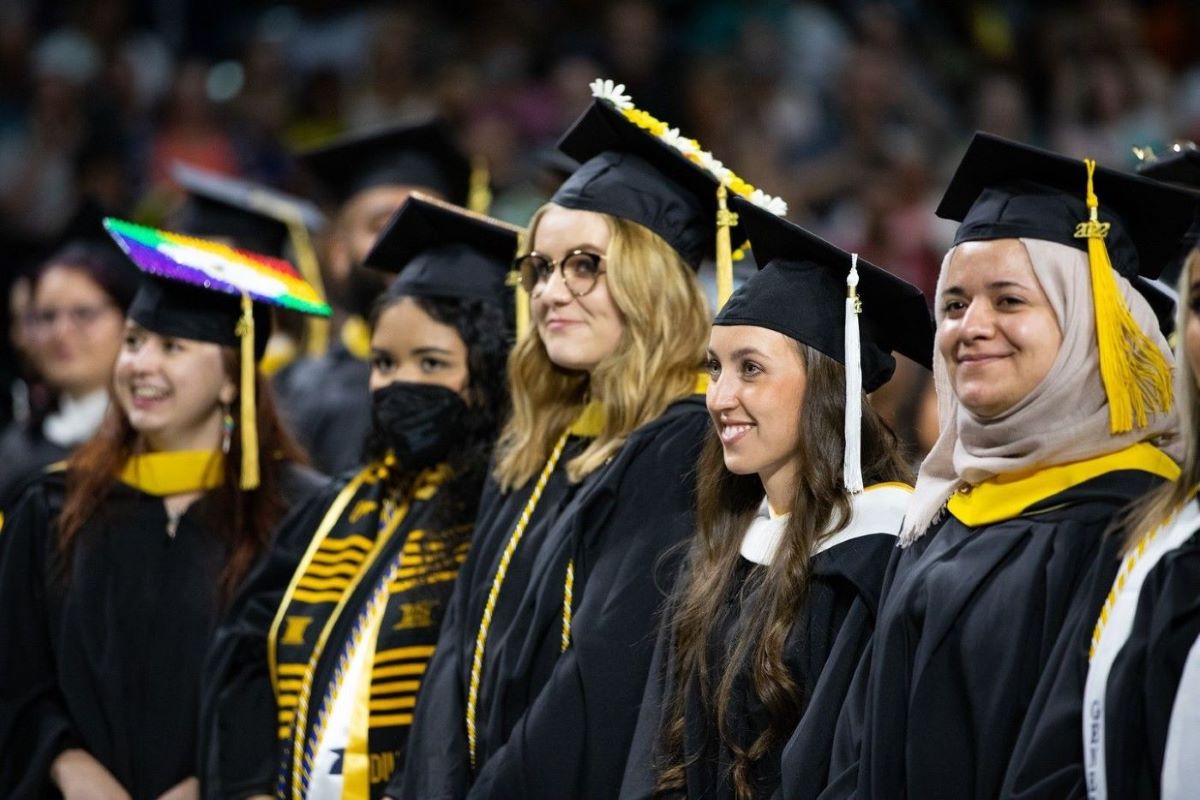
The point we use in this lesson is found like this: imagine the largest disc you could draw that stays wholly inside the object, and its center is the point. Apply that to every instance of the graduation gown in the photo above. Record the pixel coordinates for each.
(824, 647)
(111, 660)
(343, 613)
(972, 615)
(24, 453)
(554, 722)
(1125, 680)
(326, 401)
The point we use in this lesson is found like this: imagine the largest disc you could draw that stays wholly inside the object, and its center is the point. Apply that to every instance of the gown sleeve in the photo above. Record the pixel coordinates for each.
(641, 777)
(34, 724)
(1047, 761)
(574, 738)
(239, 728)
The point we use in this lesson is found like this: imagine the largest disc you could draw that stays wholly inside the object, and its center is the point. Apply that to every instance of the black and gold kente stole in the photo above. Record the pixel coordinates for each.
(310, 644)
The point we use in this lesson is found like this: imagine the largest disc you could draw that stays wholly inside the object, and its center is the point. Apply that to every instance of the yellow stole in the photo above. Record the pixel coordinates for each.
(1008, 496)
(178, 472)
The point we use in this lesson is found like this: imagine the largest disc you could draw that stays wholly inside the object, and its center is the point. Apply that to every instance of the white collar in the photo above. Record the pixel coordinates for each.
(877, 509)
(76, 418)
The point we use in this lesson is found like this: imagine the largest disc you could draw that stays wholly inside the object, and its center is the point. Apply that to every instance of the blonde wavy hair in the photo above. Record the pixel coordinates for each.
(666, 322)
(1167, 499)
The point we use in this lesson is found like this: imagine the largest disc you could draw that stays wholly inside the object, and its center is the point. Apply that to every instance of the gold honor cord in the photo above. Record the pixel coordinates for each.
(568, 590)
(497, 582)
(1118, 586)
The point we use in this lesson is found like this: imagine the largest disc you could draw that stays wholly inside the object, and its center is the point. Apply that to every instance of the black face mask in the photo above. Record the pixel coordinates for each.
(419, 423)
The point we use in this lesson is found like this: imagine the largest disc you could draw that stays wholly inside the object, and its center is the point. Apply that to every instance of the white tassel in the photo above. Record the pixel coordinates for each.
(852, 457)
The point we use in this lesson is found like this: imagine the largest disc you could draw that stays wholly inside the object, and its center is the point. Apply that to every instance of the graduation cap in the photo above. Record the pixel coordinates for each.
(635, 167)
(835, 302)
(1181, 166)
(255, 218)
(423, 155)
(84, 238)
(1130, 224)
(441, 250)
(198, 289)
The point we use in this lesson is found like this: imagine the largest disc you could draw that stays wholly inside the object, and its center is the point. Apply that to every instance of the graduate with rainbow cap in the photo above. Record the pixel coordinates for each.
(116, 565)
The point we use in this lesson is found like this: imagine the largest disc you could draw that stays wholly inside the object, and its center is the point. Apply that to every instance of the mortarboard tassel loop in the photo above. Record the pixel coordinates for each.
(316, 329)
(1136, 376)
(479, 194)
(852, 477)
(249, 413)
(726, 219)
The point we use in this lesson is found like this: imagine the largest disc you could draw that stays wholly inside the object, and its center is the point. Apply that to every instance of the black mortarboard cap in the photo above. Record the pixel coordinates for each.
(1003, 189)
(424, 156)
(84, 239)
(170, 308)
(249, 215)
(800, 291)
(1180, 166)
(629, 173)
(441, 250)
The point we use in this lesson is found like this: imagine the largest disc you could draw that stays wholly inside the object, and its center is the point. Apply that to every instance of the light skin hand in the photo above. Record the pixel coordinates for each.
(79, 776)
(186, 789)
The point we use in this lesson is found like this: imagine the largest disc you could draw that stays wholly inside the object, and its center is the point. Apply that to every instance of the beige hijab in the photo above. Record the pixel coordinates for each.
(1064, 418)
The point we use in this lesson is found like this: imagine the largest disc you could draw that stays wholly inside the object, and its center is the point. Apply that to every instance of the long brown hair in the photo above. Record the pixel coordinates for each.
(725, 507)
(1168, 498)
(246, 518)
(656, 363)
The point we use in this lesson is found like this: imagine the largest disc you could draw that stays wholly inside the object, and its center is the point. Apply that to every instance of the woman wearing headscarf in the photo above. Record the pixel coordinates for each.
(1054, 386)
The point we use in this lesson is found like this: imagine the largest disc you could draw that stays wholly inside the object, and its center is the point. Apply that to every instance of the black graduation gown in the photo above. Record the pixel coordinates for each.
(1139, 695)
(326, 401)
(111, 661)
(24, 453)
(970, 620)
(243, 752)
(554, 724)
(827, 641)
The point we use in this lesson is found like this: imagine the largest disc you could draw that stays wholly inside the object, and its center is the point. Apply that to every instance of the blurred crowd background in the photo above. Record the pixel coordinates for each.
(854, 112)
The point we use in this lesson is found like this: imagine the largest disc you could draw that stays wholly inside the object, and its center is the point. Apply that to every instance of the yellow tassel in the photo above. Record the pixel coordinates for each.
(521, 303)
(726, 219)
(479, 196)
(1136, 375)
(316, 329)
(245, 331)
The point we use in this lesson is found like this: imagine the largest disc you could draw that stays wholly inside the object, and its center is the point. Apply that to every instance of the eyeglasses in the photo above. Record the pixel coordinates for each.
(580, 270)
(43, 319)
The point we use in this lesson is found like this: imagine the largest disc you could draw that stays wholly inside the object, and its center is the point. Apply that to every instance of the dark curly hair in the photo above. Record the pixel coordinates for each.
(483, 327)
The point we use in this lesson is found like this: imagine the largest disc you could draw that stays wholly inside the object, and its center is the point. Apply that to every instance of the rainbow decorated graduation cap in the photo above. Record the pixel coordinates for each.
(1126, 224)
(198, 289)
(636, 167)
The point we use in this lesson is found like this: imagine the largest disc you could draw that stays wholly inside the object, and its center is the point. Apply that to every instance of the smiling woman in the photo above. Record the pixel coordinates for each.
(779, 592)
(115, 568)
(1055, 404)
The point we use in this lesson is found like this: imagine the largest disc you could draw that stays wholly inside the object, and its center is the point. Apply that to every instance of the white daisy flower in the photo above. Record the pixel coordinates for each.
(606, 89)
(776, 205)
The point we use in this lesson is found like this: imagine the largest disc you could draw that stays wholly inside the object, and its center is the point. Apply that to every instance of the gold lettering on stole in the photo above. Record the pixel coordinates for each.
(294, 632)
